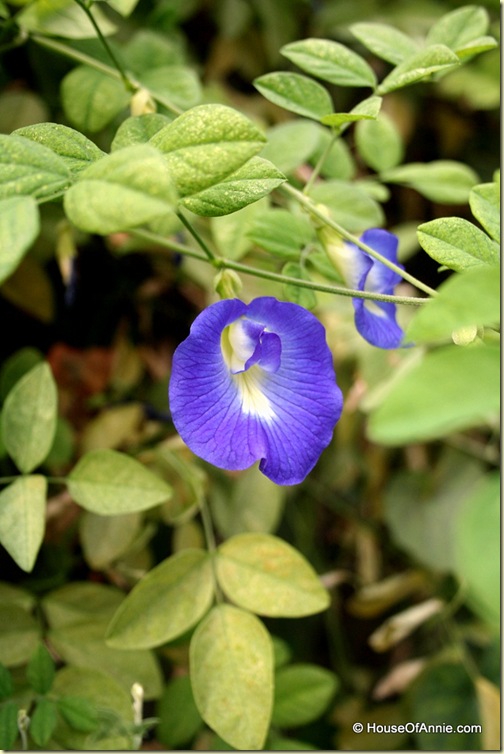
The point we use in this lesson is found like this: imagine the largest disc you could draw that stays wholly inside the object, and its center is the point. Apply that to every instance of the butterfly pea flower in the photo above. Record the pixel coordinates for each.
(374, 320)
(256, 382)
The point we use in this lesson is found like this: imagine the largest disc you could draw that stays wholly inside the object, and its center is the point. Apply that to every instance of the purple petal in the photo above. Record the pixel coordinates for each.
(280, 410)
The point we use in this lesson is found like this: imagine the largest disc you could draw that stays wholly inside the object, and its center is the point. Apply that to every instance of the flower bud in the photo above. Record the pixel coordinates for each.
(142, 103)
(228, 284)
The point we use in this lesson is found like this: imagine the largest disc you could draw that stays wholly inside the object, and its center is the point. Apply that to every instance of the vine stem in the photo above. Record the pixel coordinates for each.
(209, 253)
(230, 264)
(318, 167)
(313, 209)
(206, 520)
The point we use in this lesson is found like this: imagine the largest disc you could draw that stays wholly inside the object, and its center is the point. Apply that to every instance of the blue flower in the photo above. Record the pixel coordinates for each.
(254, 383)
(375, 320)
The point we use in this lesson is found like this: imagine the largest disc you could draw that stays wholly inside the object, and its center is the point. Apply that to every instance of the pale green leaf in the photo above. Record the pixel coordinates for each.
(20, 635)
(62, 18)
(477, 549)
(123, 7)
(419, 66)
(457, 243)
(330, 61)
(130, 187)
(338, 161)
(79, 602)
(43, 721)
(295, 293)
(231, 660)
(78, 712)
(296, 93)
(91, 99)
(176, 83)
(368, 109)
(264, 574)
(168, 601)
(255, 179)
(19, 227)
(281, 233)
(179, 719)
(484, 201)
(379, 143)
(29, 418)
(350, 205)
(477, 46)
(445, 181)
(153, 49)
(29, 169)
(205, 144)
(459, 28)
(108, 482)
(230, 231)
(105, 538)
(22, 519)
(454, 388)
(469, 299)
(385, 41)
(76, 150)
(302, 694)
(291, 144)
(139, 129)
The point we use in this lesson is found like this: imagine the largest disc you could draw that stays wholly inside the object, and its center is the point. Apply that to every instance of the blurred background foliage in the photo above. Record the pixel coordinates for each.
(392, 529)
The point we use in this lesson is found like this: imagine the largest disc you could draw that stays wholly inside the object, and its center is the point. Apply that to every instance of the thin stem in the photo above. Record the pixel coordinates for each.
(122, 73)
(246, 269)
(311, 207)
(206, 520)
(320, 163)
(211, 256)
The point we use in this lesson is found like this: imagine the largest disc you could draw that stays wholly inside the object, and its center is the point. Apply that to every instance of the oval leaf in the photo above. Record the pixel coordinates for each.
(459, 28)
(330, 61)
(22, 519)
(443, 181)
(91, 99)
(77, 151)
(19, 227)
(457, 243)
(302, 694)
(168, 601)
(296, 93)
(29, 169)
(231, 660)
(385, 41)
(484, 201)
(264, 574)
(419, 66)
(108, 482)
(29, 418)
(205, 144)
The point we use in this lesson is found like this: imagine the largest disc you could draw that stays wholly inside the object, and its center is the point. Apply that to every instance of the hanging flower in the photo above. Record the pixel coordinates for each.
(254, 383)
(375, 320)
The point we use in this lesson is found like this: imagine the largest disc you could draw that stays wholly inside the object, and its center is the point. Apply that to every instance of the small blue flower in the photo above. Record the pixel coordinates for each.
(375, 320)
(254, 383)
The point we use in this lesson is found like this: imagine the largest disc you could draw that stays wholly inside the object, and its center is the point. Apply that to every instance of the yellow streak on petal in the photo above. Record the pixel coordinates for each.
(254, 401)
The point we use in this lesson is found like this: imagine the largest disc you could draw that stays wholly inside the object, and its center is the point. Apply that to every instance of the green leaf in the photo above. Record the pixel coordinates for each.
(168, 601)
(179, 719)
(138, 129)
(83, 645)
(385, 41)
(379, 143)
(421, 65)
(291, 144)
(231, 660)
(19, 635)
(123, 7)
(22, 519)
(62, 18)
(264, 574)
(281, 233)
(302, 694)
(91, 99)
(296, 93)
(16, 366)
(176, 83)
(29, 418)
(43, 721)
(29, 169)
(338, 161)
(76, 150)
(19, 227)
(484, 201)
(104, 539)
(41, 670)
(108, 482)
(459, 28)
(454, 388)
(79, 602)
(230, 231)
(205, 144)
(8, 725)
(5, 683)
(477, 549)
(477, 46)
(368, 109)
(248, 184)
(330, 61)
(444, 181)
(457, 243)
(128, 188)
(468, 299)
(78, 712)
(296, 293)
(350, 205)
